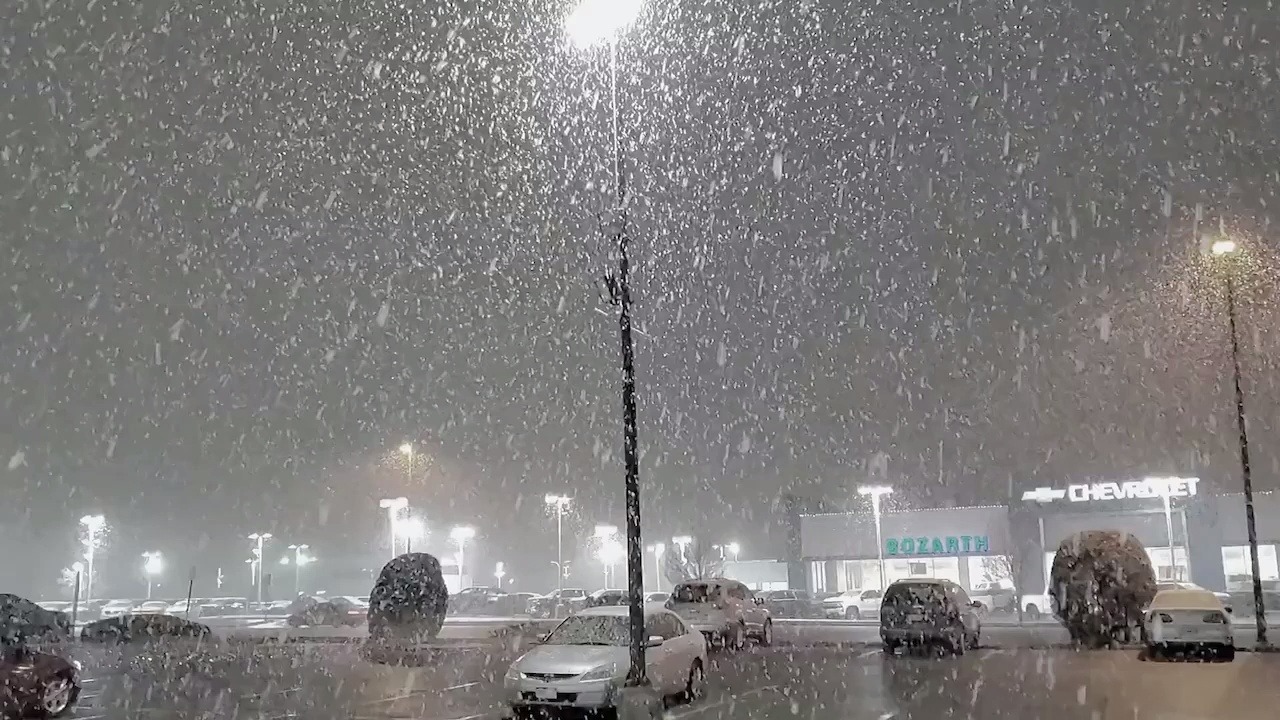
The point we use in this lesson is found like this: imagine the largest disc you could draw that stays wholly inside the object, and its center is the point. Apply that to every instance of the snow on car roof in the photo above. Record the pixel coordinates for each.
(622, 610)
(1181, 599)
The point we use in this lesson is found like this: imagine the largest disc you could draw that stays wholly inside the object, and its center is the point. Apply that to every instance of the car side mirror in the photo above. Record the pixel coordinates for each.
(976, 605)
(1227, 608)
(654, 641)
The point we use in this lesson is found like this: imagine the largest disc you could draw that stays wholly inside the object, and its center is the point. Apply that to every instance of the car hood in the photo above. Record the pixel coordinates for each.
(575, 659)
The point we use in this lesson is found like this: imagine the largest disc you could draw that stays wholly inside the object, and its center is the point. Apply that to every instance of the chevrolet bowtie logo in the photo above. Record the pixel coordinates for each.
(1043, 494)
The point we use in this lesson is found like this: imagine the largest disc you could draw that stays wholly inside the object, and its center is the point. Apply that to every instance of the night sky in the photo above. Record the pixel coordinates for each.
(250, 248)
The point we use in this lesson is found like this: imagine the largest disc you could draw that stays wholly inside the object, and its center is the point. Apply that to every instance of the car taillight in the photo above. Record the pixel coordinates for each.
(1214, 617)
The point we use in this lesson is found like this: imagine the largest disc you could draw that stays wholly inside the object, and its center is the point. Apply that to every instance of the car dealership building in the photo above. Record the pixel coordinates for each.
(1190, 534)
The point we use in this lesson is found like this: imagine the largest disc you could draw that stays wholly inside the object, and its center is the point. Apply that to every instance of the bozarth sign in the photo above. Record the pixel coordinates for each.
(1149, 488)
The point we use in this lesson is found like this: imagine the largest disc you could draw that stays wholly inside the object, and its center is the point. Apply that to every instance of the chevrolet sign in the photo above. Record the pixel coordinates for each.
(1148, 488)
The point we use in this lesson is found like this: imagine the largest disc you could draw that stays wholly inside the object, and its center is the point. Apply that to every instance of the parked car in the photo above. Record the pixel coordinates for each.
(995, 597)
(582, 664)
(34, 683)
(191, 612)
(116, 608)
(657, 597)
(1190, 620)
(791, 604)
(926, 612)
(475, 601)
(143, 628)
(334, 612)
(1036, 605)
(151, 607)
(22, 620)
(723, 610)
(603, 598)
(853, 604)
(557, 603)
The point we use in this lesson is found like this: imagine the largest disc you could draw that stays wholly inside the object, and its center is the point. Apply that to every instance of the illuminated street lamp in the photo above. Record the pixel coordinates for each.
(609, 552)
(875, 492)
(460, 535)
(1227, 256)
(299, 559)
(733, 548)
(658, 549)
(558, 504)
(93, 525)
(499, 572)
(152, 565)
(393, 506)
(407, 451)
(592, 23)
(683, 542)
(260, 542)
(410, 528)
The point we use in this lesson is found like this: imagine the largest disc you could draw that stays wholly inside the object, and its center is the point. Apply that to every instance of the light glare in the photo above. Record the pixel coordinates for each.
(1223, 247)
(595, 22)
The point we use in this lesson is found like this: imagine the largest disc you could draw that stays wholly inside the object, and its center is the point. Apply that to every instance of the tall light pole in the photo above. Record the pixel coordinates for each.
(875, 492)
(407, 451)
(682, 542)
(93, 525)
(260, 543)
(393, 506)
(460, 535)
(558, 504)
(592, 23)
(152, 565)
(1227, 252)
(411, 528)
(733, 548)
(299, 559)
(658, 549)
(607, 550)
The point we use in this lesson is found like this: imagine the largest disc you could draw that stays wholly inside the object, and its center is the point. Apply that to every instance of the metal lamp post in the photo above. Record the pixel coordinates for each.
(594, 22)
(608, 550)
(1227, 252)
(93, 525)
(558, 504)
(393, 506)
(460, 535)
(875, 492)
(733, 548)
(299, 559)
(152, 565)
(658, 549)
(260, 543)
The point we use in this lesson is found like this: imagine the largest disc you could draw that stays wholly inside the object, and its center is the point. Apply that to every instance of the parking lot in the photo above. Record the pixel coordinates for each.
(333, 681)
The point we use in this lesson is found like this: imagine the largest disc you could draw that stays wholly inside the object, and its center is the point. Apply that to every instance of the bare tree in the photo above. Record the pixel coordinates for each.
(1006, 570)
(696, 561)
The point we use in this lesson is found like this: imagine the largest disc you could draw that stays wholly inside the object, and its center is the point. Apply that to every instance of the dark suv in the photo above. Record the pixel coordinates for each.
(924, 612)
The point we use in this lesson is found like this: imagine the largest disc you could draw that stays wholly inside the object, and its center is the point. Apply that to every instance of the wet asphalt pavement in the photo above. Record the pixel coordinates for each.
(331, 682)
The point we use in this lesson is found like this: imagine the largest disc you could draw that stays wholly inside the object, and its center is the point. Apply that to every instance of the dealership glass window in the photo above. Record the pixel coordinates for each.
(945, 568)
(990, 569)
(1167, 571)
(1237, 566)
(858, 575)
(818, 576)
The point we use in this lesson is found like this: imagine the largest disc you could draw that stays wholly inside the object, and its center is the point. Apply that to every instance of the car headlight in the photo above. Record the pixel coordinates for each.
(604, 672)
(513, 672)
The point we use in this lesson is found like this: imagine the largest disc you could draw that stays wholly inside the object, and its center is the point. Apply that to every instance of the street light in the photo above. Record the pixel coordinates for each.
(260, 540)
(410, 528)
(682, 542)
(558, 504)
(407, 450)
(876, 492)
(93, 525)
(658, 549)
(299, 559)
(460, 535)
(152, 565)
(393, 506)
(733, 548)
(594, 22)
(609, 552)
(1228, 256)
(499, 572)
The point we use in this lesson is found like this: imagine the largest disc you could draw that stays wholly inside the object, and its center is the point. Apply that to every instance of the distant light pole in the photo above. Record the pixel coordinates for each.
(460, 535)
(592, 23)
(407, 450)
(608, 551)
(875, 492)
(152, 565)
(393, 506)
(733, 548)
(682, 542)
(1228, 255)
(657, 549)
(260, 542)
(558, 504)
(411, 528)
(499, 572)
(299, 559)
(93, 525)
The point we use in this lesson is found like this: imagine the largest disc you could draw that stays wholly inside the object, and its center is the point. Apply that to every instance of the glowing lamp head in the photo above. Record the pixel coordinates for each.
(595, 22)
(1223, 247)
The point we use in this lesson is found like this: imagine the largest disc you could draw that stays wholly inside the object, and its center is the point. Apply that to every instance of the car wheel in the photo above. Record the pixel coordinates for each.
(1033, 612)
(974, 639)
(737, 638)
(889, 647)
(697, 685)
(57, 696)
(1227, 653)
(958, 643)
(852, 613)
(766, 635)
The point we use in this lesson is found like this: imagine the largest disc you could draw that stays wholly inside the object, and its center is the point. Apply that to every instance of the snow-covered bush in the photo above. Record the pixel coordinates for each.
(1100, 582)
(409, 600)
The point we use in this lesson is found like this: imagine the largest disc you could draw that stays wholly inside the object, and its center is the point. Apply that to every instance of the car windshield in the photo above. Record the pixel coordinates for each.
(694, 593)
(591, 630)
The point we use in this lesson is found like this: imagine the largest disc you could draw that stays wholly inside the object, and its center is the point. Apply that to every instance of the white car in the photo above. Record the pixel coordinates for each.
(583, 663)
(179, 609)
(853, 605)
(151, 607)
(725, 611)
(116, 608)
(1191, 620)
